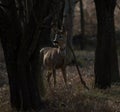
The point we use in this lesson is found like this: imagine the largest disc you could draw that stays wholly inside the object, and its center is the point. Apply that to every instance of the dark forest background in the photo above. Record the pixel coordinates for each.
(93, 31)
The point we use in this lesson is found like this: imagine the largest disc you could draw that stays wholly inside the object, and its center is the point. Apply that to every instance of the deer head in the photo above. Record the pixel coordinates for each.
(60, 39)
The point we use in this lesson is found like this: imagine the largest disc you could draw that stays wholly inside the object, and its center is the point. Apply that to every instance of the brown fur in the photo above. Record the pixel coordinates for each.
(54, 58)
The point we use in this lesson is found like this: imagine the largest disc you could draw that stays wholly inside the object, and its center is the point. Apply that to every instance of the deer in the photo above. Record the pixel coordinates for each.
(54, 58)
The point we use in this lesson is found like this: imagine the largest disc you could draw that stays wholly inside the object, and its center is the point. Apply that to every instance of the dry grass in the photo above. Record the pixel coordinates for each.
(75, 98)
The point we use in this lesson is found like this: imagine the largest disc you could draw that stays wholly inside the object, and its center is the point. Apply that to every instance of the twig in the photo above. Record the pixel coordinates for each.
(80, 75)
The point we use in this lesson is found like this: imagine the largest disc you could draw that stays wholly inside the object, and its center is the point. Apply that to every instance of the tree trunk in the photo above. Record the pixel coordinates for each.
(10, 39)
(21, 51)
(82, 25)
(21, 43)
(68, 24)
(106, 62)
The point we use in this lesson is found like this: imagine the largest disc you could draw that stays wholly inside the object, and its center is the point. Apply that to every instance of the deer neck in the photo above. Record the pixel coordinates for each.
(62, 51)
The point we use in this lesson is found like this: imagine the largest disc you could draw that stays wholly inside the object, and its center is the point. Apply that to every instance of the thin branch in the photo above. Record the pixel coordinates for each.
(77, 67)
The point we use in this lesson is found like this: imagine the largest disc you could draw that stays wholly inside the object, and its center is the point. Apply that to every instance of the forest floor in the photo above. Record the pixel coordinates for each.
(74, 98)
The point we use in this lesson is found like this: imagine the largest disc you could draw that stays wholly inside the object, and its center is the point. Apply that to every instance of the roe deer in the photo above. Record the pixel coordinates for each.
(55, 58)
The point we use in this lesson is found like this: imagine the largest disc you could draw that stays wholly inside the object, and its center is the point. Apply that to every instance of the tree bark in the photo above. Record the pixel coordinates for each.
(106, 62)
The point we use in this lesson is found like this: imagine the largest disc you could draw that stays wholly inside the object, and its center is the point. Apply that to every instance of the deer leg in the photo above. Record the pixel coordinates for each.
(49, 74)
(64, 75)
(54, 76)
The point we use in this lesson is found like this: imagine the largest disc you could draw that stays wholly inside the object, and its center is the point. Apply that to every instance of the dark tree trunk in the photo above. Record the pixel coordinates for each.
(82, 25)
(23, 32)
(68, 24)
(10, 38)
(106, 62)
(21, 50)
(28, 86)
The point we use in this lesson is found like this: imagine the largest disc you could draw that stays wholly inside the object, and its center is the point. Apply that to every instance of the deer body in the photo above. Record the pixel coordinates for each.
(54, 58)
(51, 58)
